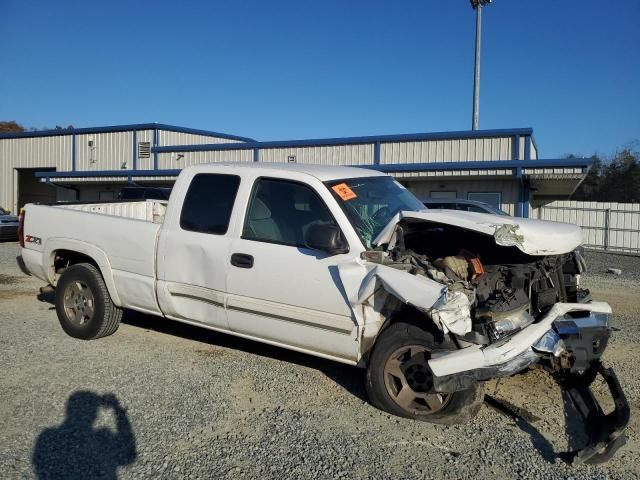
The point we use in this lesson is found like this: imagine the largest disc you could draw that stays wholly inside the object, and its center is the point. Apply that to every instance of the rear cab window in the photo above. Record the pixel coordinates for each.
(208, 203)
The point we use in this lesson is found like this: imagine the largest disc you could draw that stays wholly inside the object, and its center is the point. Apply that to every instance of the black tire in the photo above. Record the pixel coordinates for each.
(458, 407)
(83, 304)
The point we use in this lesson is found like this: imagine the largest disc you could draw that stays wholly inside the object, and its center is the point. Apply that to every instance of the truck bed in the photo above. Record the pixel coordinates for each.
(120, 236)
(147, 210)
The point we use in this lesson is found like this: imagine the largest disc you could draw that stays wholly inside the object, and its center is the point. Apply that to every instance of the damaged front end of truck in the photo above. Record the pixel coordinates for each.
(507, 292)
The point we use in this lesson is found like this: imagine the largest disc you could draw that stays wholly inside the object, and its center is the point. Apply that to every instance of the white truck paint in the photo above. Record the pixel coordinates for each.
(293, 297)
(533, 237)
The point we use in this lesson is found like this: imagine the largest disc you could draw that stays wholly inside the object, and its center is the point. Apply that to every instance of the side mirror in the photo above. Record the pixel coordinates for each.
(327, 238)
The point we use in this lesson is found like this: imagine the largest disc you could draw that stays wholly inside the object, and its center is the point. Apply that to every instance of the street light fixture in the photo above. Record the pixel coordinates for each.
(477, 6)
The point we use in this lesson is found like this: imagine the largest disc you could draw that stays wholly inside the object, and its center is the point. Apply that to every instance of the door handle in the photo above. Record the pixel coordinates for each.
(242, 260)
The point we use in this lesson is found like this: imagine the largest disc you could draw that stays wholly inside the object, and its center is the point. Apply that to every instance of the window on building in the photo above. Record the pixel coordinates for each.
(208, 203)
(491, 198)
(281, 211)
(443, 194)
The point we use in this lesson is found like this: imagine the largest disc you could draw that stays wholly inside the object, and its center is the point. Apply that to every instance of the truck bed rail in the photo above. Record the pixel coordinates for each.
(147, 210)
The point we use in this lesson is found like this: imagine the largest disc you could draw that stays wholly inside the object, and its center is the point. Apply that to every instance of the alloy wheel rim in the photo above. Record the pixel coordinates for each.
(409, 381)
(79, 303)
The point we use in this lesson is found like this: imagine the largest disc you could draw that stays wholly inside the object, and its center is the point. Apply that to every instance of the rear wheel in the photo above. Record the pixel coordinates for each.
(400, 382)
(83, 304)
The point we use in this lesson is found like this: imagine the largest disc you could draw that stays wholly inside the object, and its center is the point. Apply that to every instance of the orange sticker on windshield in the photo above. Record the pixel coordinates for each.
(344, 192)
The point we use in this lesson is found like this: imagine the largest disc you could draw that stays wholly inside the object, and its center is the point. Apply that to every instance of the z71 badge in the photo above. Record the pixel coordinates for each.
(32, 239)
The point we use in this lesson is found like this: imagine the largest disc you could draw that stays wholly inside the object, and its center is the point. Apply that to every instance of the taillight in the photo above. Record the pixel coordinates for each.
(21, 227)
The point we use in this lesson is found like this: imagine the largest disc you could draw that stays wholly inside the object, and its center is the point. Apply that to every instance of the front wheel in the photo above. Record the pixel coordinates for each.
(83, 304)
(400, 382)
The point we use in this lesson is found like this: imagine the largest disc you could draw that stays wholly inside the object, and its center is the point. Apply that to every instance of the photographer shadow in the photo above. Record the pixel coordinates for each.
(78, 450)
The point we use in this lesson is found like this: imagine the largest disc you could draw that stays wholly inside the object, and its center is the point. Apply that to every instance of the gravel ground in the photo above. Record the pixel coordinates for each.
(160, 399)
(599, 262)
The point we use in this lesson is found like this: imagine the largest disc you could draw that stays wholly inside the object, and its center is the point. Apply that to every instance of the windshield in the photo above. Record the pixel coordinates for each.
(3, 211)
(371, 202)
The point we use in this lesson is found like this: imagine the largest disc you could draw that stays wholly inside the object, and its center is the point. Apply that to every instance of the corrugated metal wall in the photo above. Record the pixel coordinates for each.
(176, 160)
(167, 137)
(605, 225)
(104, 151)
(430, 151)
(460, 150)
(114, 151)
(521, 148)
(456, 173)
(359, 154)
(109, 151)
(33, 152)
(508, 188)
(551, 172)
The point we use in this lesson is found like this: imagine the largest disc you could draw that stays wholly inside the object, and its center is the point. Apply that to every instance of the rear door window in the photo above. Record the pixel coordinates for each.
(208, 203)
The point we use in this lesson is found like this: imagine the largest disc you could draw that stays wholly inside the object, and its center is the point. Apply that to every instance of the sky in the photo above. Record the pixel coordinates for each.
(282, 70)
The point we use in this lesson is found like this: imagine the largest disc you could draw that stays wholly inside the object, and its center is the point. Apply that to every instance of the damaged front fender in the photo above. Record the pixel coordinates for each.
(449, 310)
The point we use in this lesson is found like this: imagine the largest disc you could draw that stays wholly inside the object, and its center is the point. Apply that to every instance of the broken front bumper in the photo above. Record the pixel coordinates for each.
(460, 369)
(568, 342)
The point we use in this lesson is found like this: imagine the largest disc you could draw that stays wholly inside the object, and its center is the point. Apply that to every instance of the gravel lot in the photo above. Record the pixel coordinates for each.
(190, 403)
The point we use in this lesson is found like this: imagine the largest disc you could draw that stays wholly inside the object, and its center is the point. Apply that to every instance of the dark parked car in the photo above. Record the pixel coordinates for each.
(8, 225)
(465, 205)
(144, 193)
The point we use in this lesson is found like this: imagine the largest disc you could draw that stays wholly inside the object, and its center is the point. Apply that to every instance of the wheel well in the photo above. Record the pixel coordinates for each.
(401, 312)
(413, 316)
(63, 259)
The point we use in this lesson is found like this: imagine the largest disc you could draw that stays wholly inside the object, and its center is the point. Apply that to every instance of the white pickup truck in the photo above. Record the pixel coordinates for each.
(346, 264)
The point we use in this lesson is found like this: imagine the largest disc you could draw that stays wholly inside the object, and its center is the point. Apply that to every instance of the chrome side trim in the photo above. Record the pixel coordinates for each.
(194, 292)
(280, 311)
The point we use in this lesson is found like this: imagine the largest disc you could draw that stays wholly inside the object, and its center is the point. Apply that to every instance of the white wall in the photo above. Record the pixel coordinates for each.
(610, 225)
(454, 150)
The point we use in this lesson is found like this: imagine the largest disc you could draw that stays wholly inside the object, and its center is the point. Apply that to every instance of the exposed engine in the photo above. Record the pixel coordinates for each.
(506, 289)
(511, 296)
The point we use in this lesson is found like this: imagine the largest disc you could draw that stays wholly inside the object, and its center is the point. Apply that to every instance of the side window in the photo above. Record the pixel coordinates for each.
(281, 211)
(208, 203)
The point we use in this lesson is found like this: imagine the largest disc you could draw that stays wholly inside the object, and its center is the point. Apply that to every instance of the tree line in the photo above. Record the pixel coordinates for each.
(614, 179)
(12, 126)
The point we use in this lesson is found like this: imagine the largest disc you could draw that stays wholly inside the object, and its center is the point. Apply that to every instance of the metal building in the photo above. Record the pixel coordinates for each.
(120, 149)
(497, 166)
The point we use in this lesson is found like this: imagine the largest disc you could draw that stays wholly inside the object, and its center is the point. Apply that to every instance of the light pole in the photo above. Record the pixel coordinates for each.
(477, 6)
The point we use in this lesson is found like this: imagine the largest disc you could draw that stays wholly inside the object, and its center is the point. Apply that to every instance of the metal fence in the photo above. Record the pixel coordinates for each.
(607, 226)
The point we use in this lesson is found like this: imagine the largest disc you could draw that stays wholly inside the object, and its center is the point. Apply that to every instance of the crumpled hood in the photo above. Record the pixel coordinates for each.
(533, 237)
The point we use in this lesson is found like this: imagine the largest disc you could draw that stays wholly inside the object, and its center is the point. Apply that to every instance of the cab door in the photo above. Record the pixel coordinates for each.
(278, 289)
(193, 252)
